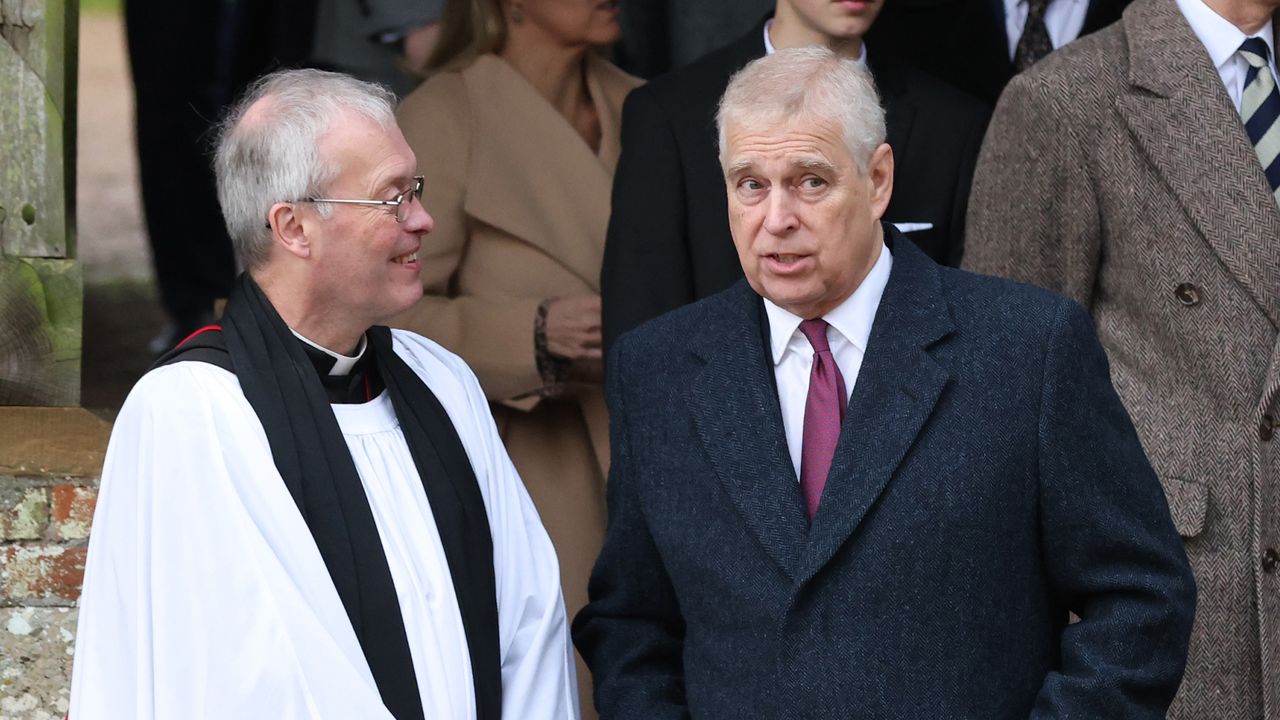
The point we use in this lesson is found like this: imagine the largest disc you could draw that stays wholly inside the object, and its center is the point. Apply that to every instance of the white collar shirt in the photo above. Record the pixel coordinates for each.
(848, 332)
(1064, 19)
(769, 49)
(1222, 40)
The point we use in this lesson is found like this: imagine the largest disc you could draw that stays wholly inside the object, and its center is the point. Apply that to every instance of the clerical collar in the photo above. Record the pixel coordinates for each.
(342, 364)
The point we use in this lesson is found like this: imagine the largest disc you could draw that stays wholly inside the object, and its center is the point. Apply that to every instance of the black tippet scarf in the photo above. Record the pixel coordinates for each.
(307, 445)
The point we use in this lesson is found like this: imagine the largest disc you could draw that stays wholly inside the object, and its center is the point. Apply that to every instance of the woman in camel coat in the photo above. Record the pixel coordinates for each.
(517, 134)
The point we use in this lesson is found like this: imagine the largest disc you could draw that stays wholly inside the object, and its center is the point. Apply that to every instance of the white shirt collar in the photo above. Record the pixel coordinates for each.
(852, 318)
(769, 49)
(342, 364)
(1218, 35)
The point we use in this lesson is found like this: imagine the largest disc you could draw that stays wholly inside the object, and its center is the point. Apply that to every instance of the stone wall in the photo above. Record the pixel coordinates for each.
(50, 460)
(40, 280)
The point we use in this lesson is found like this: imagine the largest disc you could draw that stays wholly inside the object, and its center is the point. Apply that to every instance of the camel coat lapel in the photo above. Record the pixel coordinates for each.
(508, 176)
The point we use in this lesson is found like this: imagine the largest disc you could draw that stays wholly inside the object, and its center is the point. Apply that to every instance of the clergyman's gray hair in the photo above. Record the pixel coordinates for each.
(806, 85)
(271, 155)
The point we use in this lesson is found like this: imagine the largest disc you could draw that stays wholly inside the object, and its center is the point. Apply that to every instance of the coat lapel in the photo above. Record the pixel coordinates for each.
(533, 177)
(735, 410)
(898, 385)
(1181, 115)
(609, 87)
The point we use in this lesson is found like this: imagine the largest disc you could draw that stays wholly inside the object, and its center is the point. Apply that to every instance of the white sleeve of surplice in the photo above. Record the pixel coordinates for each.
(204, 595)
(539, 680)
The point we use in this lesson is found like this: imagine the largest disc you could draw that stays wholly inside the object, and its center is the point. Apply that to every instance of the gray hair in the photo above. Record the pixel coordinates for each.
(267, 147)
(806, 84)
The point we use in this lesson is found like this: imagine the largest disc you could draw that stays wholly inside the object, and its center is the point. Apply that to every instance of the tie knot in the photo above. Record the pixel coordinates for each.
(816, 331)
(1255, 52)
(1037, 8)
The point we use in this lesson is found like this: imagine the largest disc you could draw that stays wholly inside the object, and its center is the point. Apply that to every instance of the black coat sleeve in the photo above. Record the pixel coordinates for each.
(1112, 553)
(631, 633)
(647, 270)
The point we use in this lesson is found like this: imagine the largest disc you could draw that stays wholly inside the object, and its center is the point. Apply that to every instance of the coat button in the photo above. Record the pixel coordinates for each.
(1270, 561)
(1187, 294)
(1267, 428)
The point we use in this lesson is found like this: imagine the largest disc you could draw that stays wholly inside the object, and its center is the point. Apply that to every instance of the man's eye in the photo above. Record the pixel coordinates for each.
(813, 183)
(750, 184)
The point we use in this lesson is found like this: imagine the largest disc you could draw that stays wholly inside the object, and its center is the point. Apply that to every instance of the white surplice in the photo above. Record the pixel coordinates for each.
(206, 597)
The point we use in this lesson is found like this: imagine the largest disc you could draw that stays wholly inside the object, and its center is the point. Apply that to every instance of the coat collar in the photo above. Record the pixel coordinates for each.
(734, 405)
(531, 175)
(1181, 115)
(735, 409)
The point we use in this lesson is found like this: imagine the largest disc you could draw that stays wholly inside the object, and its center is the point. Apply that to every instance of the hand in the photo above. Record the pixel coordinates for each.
(573, 327)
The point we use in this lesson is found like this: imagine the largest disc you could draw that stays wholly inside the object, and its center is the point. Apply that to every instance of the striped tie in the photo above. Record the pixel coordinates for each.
(1260, 109)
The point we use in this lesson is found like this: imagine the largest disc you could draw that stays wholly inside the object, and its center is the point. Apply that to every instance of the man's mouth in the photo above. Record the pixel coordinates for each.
(784, 259)
(406, 258)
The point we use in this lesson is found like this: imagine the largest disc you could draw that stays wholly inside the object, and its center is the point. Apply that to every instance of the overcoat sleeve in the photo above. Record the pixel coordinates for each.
(1110, 548)
(631, 633)
(494, 334)
(1033, 215)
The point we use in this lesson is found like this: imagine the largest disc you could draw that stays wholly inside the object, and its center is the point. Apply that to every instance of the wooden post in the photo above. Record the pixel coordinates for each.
(41, 286)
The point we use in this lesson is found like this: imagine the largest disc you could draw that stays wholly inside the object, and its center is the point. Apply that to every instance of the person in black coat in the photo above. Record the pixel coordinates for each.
(858, 484)
(973, 44)
(668, 242)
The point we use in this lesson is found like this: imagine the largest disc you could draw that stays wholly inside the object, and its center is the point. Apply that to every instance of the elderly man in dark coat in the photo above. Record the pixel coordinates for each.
(859, 484)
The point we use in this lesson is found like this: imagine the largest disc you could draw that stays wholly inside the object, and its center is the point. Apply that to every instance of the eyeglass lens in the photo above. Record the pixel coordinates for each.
(406, 199)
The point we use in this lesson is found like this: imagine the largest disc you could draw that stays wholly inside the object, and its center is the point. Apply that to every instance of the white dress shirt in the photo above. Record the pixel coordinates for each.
(769, 49)
(848, 332)
(1223, 39)
(1064, 19)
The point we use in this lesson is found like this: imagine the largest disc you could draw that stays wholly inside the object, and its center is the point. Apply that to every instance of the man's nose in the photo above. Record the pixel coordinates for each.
(780, 217)
(418, 221)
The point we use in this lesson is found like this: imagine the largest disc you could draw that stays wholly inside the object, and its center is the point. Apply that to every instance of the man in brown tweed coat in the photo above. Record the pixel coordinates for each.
(1118, 171)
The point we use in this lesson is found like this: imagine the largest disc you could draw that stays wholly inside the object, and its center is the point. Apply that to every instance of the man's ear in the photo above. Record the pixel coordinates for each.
(880, 171)
(288, 229)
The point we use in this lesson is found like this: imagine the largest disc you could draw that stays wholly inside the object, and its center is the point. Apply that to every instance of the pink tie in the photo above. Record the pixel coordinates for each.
(823, 414)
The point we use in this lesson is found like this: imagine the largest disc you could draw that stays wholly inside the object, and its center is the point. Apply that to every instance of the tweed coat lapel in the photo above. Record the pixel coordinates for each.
(526, 142)
(897, 388)
(735, 410)
(1183, 119)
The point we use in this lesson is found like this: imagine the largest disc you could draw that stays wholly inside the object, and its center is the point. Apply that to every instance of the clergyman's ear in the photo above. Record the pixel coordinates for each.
(288, 229)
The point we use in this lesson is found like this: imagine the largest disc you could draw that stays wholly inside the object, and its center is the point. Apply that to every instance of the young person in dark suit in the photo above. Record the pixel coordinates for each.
(859, 484)
(978, 45)
(668, 243)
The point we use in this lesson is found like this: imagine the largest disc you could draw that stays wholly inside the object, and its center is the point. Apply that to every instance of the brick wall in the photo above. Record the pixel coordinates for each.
(50, 459)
